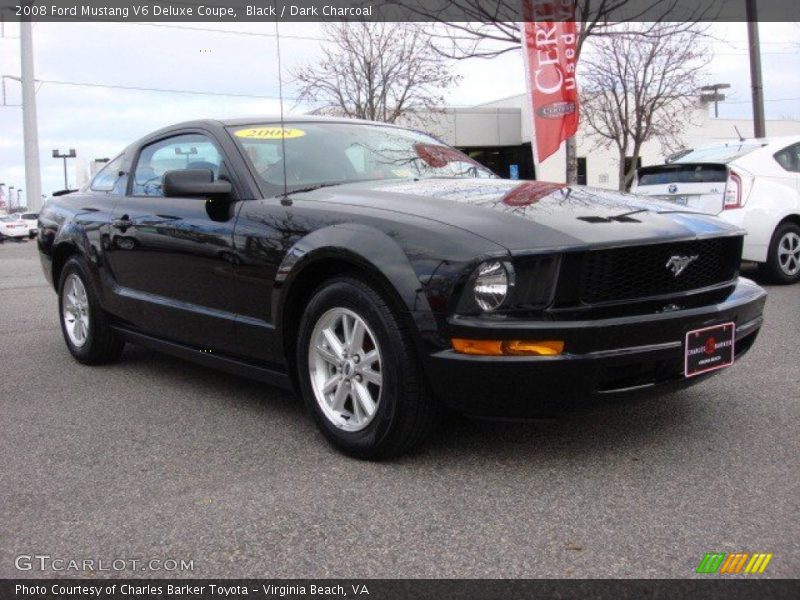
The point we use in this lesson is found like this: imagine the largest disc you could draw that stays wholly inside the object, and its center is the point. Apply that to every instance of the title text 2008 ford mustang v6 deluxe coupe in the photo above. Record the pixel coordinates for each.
(382, 275)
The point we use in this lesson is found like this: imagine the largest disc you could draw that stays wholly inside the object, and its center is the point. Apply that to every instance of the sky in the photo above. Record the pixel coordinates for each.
(240, 58)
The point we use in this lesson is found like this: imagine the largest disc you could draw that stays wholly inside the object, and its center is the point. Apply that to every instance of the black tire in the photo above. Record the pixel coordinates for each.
(406, 411)
(102, 345)
(772, 269)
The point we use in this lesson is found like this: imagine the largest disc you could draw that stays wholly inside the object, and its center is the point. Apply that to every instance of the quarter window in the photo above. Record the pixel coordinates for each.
(107, 177)
(191, 151)
(789, 158)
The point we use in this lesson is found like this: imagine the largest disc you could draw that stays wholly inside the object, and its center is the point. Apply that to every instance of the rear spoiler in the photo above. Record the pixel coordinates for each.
(681, 167)
(673, 157)
(721, 168)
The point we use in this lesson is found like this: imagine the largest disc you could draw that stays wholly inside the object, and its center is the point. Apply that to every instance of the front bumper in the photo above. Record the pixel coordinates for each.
(14, 234)
(607, 356)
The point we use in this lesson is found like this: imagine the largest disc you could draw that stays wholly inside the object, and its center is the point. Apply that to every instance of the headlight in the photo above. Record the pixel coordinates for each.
(491, 285)
(526, 285)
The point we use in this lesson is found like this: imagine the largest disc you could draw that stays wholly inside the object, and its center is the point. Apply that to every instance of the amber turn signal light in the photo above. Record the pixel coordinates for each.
(508, 347)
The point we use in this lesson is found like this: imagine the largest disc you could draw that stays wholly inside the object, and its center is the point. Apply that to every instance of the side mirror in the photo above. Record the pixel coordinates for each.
(194, 183)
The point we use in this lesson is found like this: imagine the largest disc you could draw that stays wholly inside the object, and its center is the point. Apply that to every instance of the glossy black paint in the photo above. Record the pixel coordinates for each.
(605, 357)
(226, 277)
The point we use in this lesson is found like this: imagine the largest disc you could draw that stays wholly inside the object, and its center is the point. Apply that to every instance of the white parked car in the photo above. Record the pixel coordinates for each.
(31, 220)
(12, 228)
(754, 184)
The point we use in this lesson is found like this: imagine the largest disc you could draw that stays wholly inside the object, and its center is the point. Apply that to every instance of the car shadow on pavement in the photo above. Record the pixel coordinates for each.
(619, 426)
(609, 424)
(207, 381)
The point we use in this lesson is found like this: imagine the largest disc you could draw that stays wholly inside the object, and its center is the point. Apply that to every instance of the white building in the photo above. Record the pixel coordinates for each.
(498, 134)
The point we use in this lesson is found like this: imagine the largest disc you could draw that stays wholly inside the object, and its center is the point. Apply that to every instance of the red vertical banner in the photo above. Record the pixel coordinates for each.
(550, 48)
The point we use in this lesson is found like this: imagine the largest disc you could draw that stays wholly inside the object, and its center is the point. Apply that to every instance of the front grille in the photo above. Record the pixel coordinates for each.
(629, 273)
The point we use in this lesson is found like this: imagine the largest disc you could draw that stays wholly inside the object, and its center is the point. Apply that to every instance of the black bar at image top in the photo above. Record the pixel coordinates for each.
(381, 10)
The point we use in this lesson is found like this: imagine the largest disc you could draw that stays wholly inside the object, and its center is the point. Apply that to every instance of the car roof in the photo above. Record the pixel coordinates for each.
(273, 119)
(243, 121)
(765, 141)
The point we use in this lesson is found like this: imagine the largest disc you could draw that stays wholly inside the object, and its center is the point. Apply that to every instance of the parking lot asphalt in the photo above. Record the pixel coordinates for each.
(155, 458)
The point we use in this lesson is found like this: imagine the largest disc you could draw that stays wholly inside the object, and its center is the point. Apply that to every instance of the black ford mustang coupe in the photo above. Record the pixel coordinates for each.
(383, 275)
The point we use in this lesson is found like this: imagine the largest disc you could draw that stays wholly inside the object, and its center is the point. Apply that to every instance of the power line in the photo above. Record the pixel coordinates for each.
(256, 96)
(766, 100)
(746, 54)
(163, 90)
(230, 31)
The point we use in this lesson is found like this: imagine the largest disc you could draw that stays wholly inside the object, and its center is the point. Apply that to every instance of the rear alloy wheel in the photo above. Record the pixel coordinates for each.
(75, 310)
(783, 264)
(86, 328)
(359, 373)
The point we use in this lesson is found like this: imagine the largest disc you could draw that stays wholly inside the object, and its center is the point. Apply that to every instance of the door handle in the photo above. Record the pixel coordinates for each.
(122, 223)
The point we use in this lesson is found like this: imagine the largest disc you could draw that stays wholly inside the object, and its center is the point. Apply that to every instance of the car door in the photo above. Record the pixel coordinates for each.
(172, 258)
(94, 209)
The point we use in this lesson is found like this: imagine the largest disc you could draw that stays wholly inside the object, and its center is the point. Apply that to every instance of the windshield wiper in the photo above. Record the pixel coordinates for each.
(311, 188)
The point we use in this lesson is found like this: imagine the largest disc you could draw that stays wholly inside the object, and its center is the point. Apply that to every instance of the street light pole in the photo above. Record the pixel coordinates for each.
(70, 154)
(30, 130)
(714, 95)
(759, 127)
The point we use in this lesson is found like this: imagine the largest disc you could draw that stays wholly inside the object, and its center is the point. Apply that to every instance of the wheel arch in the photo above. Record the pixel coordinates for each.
(71, 240)
(374, 258)
(792, 218)
(61, 253)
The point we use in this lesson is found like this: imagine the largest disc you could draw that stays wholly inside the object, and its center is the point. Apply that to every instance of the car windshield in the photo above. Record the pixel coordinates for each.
(329, 153)
(6, 219)
(721, 153)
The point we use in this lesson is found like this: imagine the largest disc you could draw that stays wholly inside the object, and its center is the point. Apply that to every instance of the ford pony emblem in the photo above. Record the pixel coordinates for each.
(678, 264)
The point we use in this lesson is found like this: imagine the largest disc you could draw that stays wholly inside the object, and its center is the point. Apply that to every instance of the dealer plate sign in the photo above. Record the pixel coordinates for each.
(709, 349)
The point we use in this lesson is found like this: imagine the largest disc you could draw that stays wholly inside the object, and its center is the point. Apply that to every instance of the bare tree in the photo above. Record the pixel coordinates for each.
(489, 29)
(376, 71)
(639, 88)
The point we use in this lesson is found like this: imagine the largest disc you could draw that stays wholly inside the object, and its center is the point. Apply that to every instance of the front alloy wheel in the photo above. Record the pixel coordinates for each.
(359, 372)
(345, 368)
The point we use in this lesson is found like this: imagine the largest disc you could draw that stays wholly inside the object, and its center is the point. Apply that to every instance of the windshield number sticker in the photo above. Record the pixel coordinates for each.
(269, 133)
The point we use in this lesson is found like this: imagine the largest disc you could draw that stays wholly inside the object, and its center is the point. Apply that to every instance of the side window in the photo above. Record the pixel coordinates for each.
(191, 151)
(107, 177)
(789, 158)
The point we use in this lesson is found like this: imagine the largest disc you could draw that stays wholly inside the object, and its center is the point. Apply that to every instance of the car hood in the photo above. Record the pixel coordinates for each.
(532, 215)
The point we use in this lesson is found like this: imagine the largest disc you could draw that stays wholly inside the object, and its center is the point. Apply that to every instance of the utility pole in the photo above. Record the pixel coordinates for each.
(65, 156)
(759, 127)
(30, 129)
